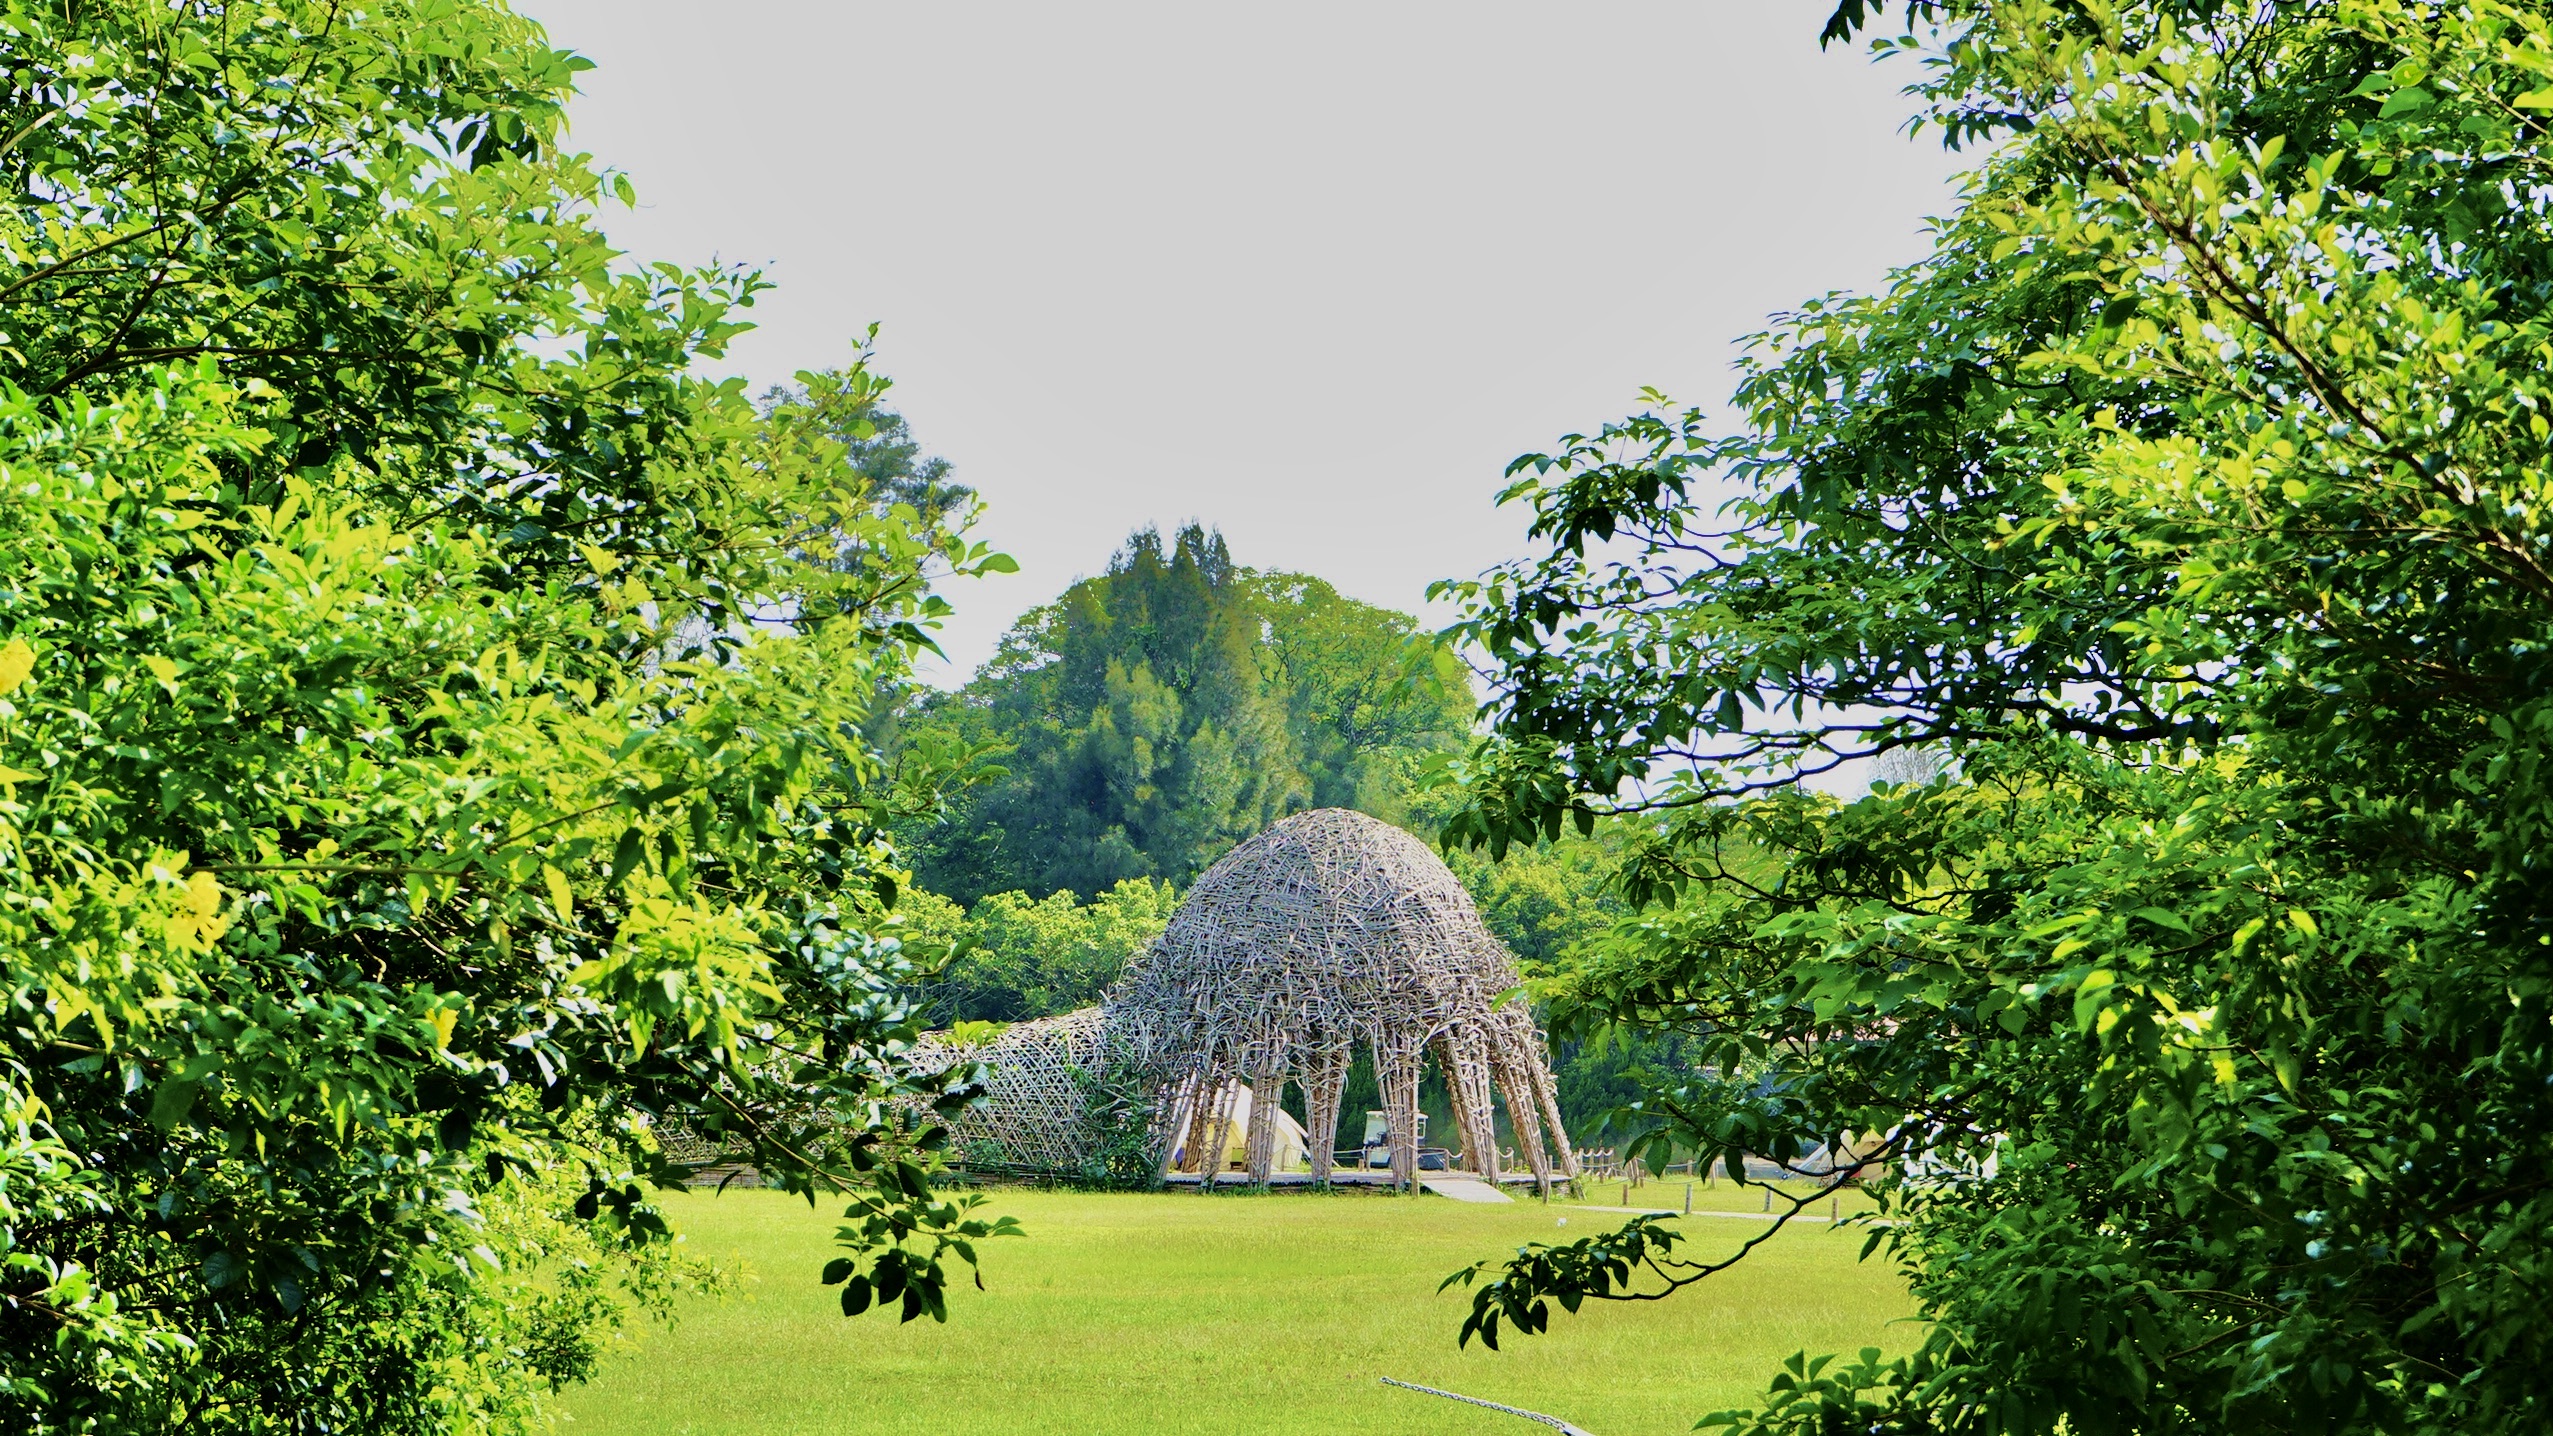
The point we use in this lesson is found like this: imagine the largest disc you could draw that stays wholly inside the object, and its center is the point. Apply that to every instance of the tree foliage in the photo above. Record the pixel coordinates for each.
(1157, 714)
(876, 443)
(1552, 902)
(430, 765)
(2190, 501)
(1016, 959)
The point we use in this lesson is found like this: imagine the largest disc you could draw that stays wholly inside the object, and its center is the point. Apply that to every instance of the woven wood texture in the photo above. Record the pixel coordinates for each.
(1329, 931)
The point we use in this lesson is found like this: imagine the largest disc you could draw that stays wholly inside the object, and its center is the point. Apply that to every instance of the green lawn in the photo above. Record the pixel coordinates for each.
(1233, 1313)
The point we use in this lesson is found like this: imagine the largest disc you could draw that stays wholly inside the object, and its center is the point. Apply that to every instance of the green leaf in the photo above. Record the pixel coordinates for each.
(17, 660)
(627, 853)
(2161, 917)
(221, 1269)
(2405, 101)
(171, 1101)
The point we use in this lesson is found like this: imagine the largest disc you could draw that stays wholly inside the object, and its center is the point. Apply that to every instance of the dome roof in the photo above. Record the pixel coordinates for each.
(1327, 918)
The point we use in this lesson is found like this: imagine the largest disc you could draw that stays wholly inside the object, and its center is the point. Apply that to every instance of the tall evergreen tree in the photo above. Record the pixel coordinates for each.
(1171, 707)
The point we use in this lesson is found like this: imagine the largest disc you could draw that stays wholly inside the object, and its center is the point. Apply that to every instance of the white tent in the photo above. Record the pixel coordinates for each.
(1293, 1145)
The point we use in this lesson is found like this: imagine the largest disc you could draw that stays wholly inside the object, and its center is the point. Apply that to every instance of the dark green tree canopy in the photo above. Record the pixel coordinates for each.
(2186, 509)
(1172, 706)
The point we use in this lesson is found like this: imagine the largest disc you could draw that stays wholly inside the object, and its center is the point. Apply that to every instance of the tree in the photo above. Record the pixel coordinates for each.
(1019, 959)
(876, 442)
(1547, 900)
(1369, 696)
(2187, 505)
(1146, 739)
(1158, 714)
(430, 772)
(1554, 903)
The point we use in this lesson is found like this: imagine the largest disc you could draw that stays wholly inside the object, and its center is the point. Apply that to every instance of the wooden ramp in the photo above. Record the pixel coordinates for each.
(1463, 1189)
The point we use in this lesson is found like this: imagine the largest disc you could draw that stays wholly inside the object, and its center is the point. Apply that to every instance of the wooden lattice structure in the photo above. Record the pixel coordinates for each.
(1327, 932)
(1037, 1115)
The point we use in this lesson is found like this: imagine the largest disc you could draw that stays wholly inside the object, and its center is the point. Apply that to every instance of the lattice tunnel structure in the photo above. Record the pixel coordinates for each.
(1328, 931)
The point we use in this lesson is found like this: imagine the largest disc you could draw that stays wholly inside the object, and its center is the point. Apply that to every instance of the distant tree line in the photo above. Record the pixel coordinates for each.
(1151, 717)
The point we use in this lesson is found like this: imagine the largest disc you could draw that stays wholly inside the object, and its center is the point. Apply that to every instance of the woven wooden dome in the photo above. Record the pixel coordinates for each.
(1329, 931)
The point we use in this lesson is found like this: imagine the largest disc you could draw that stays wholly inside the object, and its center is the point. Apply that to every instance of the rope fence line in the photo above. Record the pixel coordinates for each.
(1554, 1422)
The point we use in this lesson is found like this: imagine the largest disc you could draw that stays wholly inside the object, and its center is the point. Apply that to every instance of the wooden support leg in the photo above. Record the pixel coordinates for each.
(1324, 1085)
(1267, 1092)
(1524, 1112)
(1397, 1065)
(1546, 1091)
(1192, 1138)
(1177, 1121)
(1219, 1131)
(1467, 1080)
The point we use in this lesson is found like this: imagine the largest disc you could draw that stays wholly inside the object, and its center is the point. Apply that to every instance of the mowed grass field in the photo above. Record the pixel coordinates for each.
(1128, 1313)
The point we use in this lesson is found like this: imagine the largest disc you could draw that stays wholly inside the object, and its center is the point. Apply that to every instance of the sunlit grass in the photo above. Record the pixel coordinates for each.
(1231, 1313)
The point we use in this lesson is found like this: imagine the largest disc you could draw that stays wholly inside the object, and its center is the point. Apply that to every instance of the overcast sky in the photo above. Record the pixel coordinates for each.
(1312, 273)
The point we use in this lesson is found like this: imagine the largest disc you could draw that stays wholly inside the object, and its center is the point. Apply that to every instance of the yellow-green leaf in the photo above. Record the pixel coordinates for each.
(17, 660)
